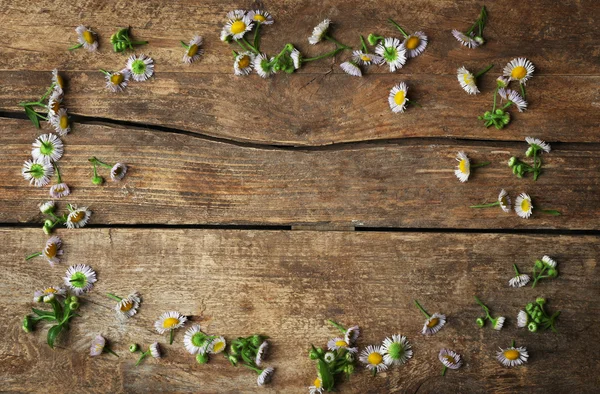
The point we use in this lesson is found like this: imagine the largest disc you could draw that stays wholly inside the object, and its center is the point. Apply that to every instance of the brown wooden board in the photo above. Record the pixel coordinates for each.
(285, 284)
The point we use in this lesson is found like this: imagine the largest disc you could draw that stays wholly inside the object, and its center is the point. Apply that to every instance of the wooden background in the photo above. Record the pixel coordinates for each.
(269, 206)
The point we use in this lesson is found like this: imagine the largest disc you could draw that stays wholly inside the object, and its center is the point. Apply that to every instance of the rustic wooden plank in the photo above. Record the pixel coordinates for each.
(321, 106)
(285, 284)
(181, 179)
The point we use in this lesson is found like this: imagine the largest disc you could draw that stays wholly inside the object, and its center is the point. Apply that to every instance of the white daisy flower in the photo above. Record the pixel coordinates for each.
(296, 58)
(260, 16)
(519, 280)
(450, 359)
(141, 67)
(225, 36)
(47, 146)
(434, 324)
(519, 69)
(244, 61)
(512, 356)
(238, 24)
(38, 295)
(538, 144)
(514, 97)
(392, 52)
(59, 190)
(504, 200)
(351, 68)
(78, 217)
(317, 387)
(262, 65)
(467, 80)
(340, 343)
(37, 171)
(523, 206)
(61, 122)
(319, 32)
(261, 353)
(155, 350)
(465, 40)
(117, 81)
(522, 319)
(372, 357)
(97, 347)
(58, 80)
(193, 50)
(87, 38)
(80, 278)
(415, 44)
(54, 102)
(195, 340)
(499, 323)
(352, 334)
(397, 98)
(265, 376)
(169, 321)
(128, 306)
(47, 207)
(549, 261)
(118, 171)
(397, 350)
(463, 169)
(366, 59)
(217, 345)
(52, 251)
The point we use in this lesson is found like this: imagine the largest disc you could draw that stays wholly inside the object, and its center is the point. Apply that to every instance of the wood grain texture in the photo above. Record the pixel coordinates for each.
(180, 179)
(320, 105)
(285, 284)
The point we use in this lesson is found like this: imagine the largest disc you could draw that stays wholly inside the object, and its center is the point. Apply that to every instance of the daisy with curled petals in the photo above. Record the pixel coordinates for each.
(54, 102)
(126, 307)
(465, 40)
(497, 322)
(296, 57)
(350, 336)
(351, 68)
(192, 50)
(450, 359)
(341, 343)
(319, 32)
(117, 170)
(503, 202)
(244, 61)
(513, 98)
(47, 208)
(519, 280)
(261, 17)
(414, 43)
(523, 206)
(141, 67)
(469, 39)
(61, 189)
(58, 80)
(544, 268)
(116, 81)
(512, 356)
(194, 340)
(238, 24)
(77, 217)
(80, 278)
(39, 295)
(468, 81)
(169, 321)
(99, 346)
(317, 387)
(37, 171)
(434, 322)
(397, 350)
(392, 52)
(87, 39)
(265, 376)
(47, 146)
(397, 98)
(502, 82)
(263, 65)
(522, 319)
(53, 250)
(372, 357)
(261, 353)
(61, 122)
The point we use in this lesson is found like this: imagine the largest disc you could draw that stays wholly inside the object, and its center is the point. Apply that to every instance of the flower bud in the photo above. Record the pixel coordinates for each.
(202, 358)
(480, 322)
(487, 114)
(49, 298)
(373, 39)
(113, 39)
(320, 351)
(506, 118)
(349, 357)
(232, 359)
(97, 180)
(349, 369)
(539, 264)
(313, 355)
(74, 306)
(540, 300)
(519, 168)
(553, 272)
(479, 40)
(529, 307)
(256, 340)
(73, 299)
(28, 324)
(512, 161)
(134, 347)
(529, 152)
(537, 319)
(499, 112)
(533, 327)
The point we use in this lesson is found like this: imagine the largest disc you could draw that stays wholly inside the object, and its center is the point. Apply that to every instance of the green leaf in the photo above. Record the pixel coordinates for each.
(40, 312)
(33, 117)
(47, 318)
(326, 376)
(53, 333)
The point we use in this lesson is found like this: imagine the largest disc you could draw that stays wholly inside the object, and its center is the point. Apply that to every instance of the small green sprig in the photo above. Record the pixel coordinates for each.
(244, 350)
(30, 107)
(121, 41)
(49, 209)
(538, 318)
(497, 322)
(480, 26)
(544, 269)
(63, 310)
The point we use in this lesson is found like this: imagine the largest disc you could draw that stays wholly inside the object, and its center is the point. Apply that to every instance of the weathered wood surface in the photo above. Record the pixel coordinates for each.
(285, 284)
(319, 105)
(181, 179)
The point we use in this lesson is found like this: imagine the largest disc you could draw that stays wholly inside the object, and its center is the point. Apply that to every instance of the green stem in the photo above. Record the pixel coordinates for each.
(363, 44)
(257, 370)
(33, 255)
(57, 172)
(110, 351)
(507, 105)
(523, 90)
(75, 47)
(398, 27)
(516, 269)
(171, 336)
(483, 164)
(138, 42)
(492, 204)
(104, 72)
(337, 325)
(114, 297)
(186, 46)
(336, 42)
(94, 160)
(552, 212)
(538, 276)
(495, 94)
(427, 315)
(143, 356)
(413, 102)
(250, 46)
(485, 308)
(480, 73)
(48, 91)
(328, 54)
(256, 41)
(444, 370)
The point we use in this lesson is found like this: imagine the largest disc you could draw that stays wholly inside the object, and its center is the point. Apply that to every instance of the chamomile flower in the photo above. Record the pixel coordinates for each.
(372, 357)
(547, 260)
(265, 376)
(38, 295)
(523, 206)
(169, 321)
(128, 306)
(54, 102)
(366, 59)
(78, 217)
(97, 347)
(52, 251)
(296, 58)
(463, 169)
(195, 340)
(155, 350)
(87, 38)
(514, 97)
(118, 171)
(260, 16)
(244, 61)
(504, 201)
(61, 122)
(58, 80)
(217, 345)
(37, 171)
(80, 278)
(522, 319)
(450, 359)
(538, 144)
(434, 323)
(519, 69)
(141, 67)
(59, 190)
(352, 334)
(397, 350)
(319, 32)
(340, 343)
(238, 24)
(464, 39)
(317, 387)
(467, 80)
(415, 44)
(261, 353)
(117, 81)
(351, 68)
(47, 146)
(499, 323)
(397, 97)
(512, 356)
(193, 50)
(519, 280)
(392, 52)
(263, 65)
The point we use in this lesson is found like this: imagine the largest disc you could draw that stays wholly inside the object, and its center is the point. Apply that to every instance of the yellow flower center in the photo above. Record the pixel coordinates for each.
(238, 27)
(126, 306)
(365, 58)
(170, 322)
(375, 359)
(64, 122)
(518, 72)
(317, 383)
(259, 18)
(463, 167)
(504, 201)
(341, 343)
(433, 322)
(511, 354)
(50, 290)
(399, 98)
(450, 359)
(244, 61)
(218, 347)
(525, 205)
(116, 79)
(468, 78)
(59, 81)
(193, 50)
(51, 250)
(88, 37)
(412, 42)
(76, 217)
(55, 106)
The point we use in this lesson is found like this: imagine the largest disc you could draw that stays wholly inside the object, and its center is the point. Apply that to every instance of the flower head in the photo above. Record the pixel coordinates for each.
(169, 321)
(502, 82)
(54, 102)
(463, 169)
(56, 291)
(118, 171)
(351, 68)
(155, 350)
(538, 144)
(260, 16)
(141, 67)
(397, 350)
(59, 190)
(504, 200)
(238, 24)
(47, 146)
(319, 32)
(366, 59)
(467, 80)
(296, 58)
(523, 206)
(450, 359)
(512, 356)
(465, 40)
(52, 251)
(522, 319)
(548, 261)
(128, 306)
(513, 97)
(415, 44)
(265, 376)
(193, 50)
(519, 280)
(372, 357)
(434, 324)
(519, 69)
(499, 323)
(217, 345)
(352, 334)
(195, 340)
(340, 343)
(87, 38)
(97, 347)
(317, 387)
(397, 97)
(58, 80)
(117, 81)
(393, 53)
(61, 122)
(261, 353)
(78, 217)
(80, 278)
(37, 171)
(263, 65)
(47, 207)
(244, 61)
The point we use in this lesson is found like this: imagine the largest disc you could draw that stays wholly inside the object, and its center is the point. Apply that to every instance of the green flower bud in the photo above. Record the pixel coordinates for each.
(97, 180)
(487, 115)
(313, 355)
(373, 39)
(232, 359)
(506, 118)
(553, 272)
(540, 300)
(113, 39)
(537, 319)
(320, 351)
(28, 324)
(202, 358)
(499, 112)
(519, 168)
(349, 369)
(480, 322)
(47, 230)
(539, 264)
(349, 357)
(529, 307)
(533, 327)
(134, 347)
(529, 152)
(74, 305)
(73, 299)
(479, 40)
(256, 340)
